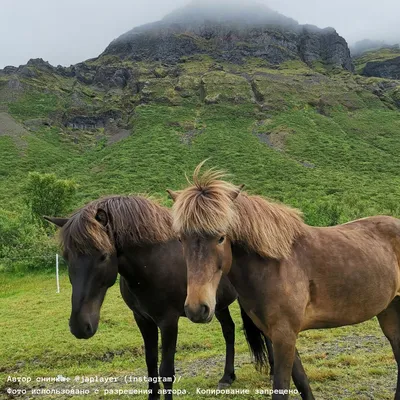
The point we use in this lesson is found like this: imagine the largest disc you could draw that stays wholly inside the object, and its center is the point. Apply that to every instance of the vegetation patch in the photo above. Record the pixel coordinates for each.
(276, 138)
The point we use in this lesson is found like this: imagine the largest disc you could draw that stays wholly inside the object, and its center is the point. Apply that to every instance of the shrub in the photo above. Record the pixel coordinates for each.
(322, 213)
(45, 194)
(24, 245)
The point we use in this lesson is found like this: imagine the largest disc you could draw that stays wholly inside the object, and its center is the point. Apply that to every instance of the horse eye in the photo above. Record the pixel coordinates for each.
(103, 257)
(221, 240)
(180, 239)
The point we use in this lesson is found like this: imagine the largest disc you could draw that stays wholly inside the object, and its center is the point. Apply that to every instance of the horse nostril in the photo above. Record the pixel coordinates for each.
(204, 311)
(187, 310)
(88, 328)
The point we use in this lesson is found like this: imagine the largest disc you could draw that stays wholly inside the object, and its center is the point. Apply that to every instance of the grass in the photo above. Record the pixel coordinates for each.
(35, 105)
(346, 363)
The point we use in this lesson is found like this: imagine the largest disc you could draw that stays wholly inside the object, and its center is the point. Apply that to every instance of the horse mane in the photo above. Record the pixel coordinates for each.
(267, 228)
(206, 206)
(134, 219)
(212, 206)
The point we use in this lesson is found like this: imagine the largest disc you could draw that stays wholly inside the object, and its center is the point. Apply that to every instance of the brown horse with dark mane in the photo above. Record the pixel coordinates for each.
(290, 277)
(132, 236)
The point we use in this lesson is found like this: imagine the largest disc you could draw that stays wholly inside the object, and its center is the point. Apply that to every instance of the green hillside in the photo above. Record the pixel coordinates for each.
(322, 139)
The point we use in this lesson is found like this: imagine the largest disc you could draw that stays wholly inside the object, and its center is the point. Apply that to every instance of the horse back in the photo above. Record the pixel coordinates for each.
(355, 263)
(382, 229)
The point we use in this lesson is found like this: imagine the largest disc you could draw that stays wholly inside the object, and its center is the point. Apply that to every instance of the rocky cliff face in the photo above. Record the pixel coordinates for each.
(231, 33)
(389, 69)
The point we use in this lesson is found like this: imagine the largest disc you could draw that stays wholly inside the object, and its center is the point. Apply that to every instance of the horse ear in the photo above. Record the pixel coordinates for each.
(236, 194)
(172, 194)
(60, 222)
(102, 217)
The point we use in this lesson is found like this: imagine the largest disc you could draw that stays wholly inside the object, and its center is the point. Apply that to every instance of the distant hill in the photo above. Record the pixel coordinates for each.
(362, 46)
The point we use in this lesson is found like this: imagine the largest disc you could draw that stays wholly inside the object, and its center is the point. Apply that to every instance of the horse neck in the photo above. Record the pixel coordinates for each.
(248, 269)
(150, 260)
(133, 260)
(132, 257)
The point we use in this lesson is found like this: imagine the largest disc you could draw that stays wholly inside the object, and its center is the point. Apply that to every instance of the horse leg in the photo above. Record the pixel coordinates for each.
(169, 336)
(389, 320)
(149, 333)
(284, 355)
(270, 351)
(228, 330)
(300, 379)
(299, 376)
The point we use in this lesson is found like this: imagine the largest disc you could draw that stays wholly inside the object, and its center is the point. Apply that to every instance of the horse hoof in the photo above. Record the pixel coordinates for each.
(223, 385)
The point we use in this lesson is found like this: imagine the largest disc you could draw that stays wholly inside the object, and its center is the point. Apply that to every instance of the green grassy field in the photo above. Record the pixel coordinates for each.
(346, 363)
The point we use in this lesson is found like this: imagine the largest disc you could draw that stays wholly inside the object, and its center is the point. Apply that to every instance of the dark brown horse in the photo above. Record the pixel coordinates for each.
(290, 277)
(132, 236)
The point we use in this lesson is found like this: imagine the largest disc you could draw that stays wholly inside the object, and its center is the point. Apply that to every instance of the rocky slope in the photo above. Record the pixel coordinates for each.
(383, 69)
(382, 63)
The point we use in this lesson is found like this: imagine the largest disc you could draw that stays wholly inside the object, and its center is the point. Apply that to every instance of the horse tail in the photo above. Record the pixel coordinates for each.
(258, 343)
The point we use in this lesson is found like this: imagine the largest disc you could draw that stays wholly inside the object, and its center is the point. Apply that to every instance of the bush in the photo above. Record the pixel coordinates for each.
(24, 245)
(45, 194)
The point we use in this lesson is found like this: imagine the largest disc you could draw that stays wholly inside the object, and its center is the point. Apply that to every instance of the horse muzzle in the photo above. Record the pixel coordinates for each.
(200, 314)
(82, 328)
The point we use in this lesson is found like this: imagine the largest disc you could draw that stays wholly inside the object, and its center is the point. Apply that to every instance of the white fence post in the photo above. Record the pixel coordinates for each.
(57, 277)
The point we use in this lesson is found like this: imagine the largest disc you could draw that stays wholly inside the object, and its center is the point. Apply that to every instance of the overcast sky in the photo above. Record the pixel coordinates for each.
(68, 31)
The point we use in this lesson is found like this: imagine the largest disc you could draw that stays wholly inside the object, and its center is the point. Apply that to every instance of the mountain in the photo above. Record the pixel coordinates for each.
(273, 102)
(231, 31)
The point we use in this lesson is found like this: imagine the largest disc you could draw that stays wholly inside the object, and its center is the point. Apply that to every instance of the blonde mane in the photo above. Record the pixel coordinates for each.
(206, 206)
(136, 220)
(212, 206)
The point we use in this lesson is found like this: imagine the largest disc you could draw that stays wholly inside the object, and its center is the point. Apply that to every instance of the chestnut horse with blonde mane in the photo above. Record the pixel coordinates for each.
(290, 277)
